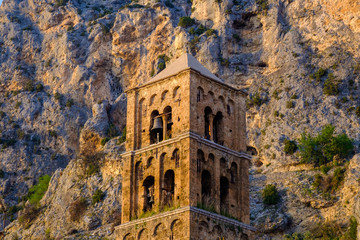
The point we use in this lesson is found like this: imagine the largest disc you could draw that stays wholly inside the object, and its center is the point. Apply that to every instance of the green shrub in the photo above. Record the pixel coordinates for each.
(2, 174)
(200, 30)
(270, 195)
(317, 180)
(325, 169)
(186, 22)
(104, 141)
(210, 32)
(69, 103)
(192, 31)
(290, 104)
(161, 66)
(338, 178)
(52, 133)
(318, 74)
(17, 105)
(290, 147)
(39, 87)
(29, 86)
(98, 196)
(352, 232)
(236, 37)
(112, 131)
(122, 138)
(59, 3)
(29, 214)
(92, 163)
(255, 100)
(263, 5)
(357, 111)
(321, 149)
(57, 96)
(169, 4)
(77, 209)
(331, 88)
(36, 192)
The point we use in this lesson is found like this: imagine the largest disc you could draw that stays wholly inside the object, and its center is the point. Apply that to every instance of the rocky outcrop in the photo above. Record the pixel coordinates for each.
(64, 66)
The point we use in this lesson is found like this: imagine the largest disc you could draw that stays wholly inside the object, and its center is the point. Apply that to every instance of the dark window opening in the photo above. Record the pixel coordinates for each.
(199, 159)
(218, 128)
(211, 157)
(224, 192)
(169, 187)
(222, 164)
(251, 150)
(200, 94)
(205, 186)
(156, 128)
(168, 121)
(228, 109)
(176, 157)
(148, 193)
(149, 162)
(208, 122)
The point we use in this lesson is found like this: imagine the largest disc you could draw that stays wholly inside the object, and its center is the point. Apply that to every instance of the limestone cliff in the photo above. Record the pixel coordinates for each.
(65, 64)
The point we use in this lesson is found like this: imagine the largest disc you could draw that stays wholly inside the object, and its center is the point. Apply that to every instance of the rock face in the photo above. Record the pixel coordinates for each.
(64, 66)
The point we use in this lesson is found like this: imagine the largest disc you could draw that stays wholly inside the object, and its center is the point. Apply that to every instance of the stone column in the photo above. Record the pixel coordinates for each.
(165, 121)
(211, 125)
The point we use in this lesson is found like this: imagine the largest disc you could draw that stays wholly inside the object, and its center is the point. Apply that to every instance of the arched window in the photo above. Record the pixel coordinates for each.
(233, 172)
(156, 127)
(205, 186)
(230, 106)
(175, 92)
(224, 192)
(218, 131)
(168, 122)
(148, 193)
(149, 162)
(152, 99)
(169, 187)
(222, 164)
(208, 122)
(163, 95)
(176, 157)
(200, 159)
(211, 157)
(200, 94)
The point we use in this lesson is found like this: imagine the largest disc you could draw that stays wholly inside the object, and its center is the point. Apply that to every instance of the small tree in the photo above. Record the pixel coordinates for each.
(270, 195)
(290, 147)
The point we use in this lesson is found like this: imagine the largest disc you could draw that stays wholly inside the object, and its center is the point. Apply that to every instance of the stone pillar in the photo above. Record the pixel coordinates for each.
(211, 126)
(165, 121)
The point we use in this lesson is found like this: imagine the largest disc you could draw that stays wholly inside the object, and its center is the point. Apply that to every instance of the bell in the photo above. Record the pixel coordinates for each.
(157, 124)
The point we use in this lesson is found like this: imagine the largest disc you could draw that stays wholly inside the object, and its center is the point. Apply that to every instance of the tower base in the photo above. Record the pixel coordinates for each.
(186, 223)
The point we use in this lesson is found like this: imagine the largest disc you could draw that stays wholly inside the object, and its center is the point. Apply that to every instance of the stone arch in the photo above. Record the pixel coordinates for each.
(168, 121)
(200, 94)
(205, 186)
(138, 179)
(152, 99)
(217, 230)
(169, 187)
(211, 157)
(218, 126)
(163, 95)
(200, 158)
(176, 157)
(230, 107)
(175, 91)
(222, 100)
(142, 234)
(176, 229)
(156, 134)
(233, 172)
(244, 236)
(222, 164)
(211, 96)
(251, 150)
(128, 237)
(159, 229)
(208, 120)
(149, 162)
(148, 185)
(203, 226)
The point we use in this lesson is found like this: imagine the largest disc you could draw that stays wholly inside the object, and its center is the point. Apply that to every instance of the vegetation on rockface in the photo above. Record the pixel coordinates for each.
(122, 138)
(77, 209)
(329, 184)
(270, 195)
(331, 87)
(98, 196)
(186, 22)
(37, 191)
(318, 74)
(263, 5)
(92, 162)
(324, 147)
(29, 214)
(255, 100)
(328, 231)
(290, 146)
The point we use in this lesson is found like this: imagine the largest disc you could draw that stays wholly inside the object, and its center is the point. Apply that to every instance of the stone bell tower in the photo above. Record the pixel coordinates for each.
(185, 170)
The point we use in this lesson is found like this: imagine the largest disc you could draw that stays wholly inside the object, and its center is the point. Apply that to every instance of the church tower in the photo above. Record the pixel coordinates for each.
(185, 170)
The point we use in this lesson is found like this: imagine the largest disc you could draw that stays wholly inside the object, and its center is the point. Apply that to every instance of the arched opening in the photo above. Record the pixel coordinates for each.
(211, 157)
(169, 187)
(138, 179)
(222, 164)
(200, 94)
(176, 157)
(230, 107)
(251, 150)
(205, 186)
(233, 172)
(218, 128)
(175, 92)
(199, 159)
(156, 127)
(140, 117)
(224, 192)
(208, 123)
(163, 95)
(149, 162)
(148, 193)
(168, 122)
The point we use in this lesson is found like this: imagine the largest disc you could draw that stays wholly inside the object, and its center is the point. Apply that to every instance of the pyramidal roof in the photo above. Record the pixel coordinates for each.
(184, 62)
